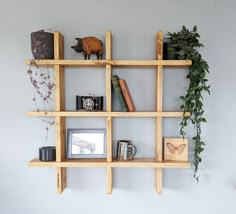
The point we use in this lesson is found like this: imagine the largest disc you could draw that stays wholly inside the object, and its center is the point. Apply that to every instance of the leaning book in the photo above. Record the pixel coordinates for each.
(118, 91)
(127, 95)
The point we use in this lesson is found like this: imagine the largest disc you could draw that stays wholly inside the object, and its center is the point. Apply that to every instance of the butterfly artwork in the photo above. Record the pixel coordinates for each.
(176, 149)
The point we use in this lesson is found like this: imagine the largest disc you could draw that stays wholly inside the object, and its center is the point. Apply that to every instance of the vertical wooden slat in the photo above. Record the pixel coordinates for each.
(159, 86)
(58, 45)
(109, 139)
(108, 109)
(159, 43)
(108, 71)
(109, 180)
(61, 179)
(59, 106)
(108, 45)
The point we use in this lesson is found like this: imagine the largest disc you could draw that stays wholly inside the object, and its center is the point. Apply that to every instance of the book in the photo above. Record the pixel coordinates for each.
(119, 93)
(127, 95)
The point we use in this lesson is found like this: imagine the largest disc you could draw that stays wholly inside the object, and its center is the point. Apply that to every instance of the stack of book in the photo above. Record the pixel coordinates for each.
(123, 94)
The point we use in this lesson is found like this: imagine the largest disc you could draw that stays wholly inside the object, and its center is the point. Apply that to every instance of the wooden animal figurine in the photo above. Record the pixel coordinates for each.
(89, 45)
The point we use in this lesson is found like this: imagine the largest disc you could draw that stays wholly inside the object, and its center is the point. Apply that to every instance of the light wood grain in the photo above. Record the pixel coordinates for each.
(61, 163)
(176, 150)
(100, 163)
(108, 88)
(117, 63)
(108, 45)
(159, 180)
(108, 70)
(61, 179)
(104, 114)
(109, 180)
(60, 138)
(109, 109)
(59, 92)
(159, 48)
(159, 86)
(59, 106)
(58, 46)
(109, 139)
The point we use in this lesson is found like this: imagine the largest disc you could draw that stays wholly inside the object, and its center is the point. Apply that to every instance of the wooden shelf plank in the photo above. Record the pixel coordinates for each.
(137, 162)
(118, 63)
(104, 114)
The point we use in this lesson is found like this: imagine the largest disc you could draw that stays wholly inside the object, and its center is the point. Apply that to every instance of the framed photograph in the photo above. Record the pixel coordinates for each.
(86, 143)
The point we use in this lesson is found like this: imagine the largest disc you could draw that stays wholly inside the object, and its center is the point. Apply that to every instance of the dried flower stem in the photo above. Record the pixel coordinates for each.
(43, 89)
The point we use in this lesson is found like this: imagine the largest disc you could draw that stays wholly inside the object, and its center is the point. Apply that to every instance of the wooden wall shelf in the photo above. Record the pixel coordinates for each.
(61, 163)
(116, 63)
(104, 114)
(137, 162)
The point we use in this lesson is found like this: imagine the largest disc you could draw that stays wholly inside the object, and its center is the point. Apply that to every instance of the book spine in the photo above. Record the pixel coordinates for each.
(119, 93)
(127, 95)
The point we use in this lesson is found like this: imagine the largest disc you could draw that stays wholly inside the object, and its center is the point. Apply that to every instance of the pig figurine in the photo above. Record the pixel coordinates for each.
(89, 45)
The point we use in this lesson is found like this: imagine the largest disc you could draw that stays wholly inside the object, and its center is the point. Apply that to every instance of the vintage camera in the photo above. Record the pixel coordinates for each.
(89, 103)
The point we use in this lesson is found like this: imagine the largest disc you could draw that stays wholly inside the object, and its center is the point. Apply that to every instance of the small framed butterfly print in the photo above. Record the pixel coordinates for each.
(176, 149)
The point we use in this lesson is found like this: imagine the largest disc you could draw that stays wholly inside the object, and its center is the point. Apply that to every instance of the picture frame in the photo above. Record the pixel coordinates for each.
(86, 143)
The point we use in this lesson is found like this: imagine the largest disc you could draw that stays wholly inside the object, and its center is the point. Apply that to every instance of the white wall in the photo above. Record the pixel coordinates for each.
(134, 25)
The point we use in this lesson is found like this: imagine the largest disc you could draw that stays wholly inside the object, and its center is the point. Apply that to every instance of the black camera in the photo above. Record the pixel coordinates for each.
(89, 103)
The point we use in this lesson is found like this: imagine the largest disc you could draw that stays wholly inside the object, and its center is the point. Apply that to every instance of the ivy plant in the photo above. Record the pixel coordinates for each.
(184, 45)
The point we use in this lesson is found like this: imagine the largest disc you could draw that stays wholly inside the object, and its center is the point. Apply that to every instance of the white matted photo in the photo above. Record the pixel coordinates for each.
(86, 143)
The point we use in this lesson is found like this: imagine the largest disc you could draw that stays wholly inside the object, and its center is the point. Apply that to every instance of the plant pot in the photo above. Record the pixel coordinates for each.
(42, 45)
(47, 153)
(166, 54)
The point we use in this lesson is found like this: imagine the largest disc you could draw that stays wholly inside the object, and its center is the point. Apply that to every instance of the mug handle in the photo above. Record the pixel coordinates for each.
(133, 151)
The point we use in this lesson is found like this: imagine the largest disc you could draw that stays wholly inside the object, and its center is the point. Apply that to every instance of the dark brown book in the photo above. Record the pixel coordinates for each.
(127, 95)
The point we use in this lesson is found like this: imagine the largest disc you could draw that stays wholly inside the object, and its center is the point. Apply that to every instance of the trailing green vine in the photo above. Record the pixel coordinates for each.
(183, 45)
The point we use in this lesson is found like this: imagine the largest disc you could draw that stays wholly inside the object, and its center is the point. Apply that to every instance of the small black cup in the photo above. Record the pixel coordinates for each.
(47, 153)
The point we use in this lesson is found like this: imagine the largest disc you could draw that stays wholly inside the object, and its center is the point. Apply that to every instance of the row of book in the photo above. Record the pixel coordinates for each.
(123, 94)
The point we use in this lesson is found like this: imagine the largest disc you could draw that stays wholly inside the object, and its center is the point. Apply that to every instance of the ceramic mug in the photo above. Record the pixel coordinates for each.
(125, 150)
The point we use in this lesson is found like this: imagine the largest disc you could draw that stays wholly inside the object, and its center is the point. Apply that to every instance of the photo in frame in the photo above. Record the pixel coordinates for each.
(86, 143)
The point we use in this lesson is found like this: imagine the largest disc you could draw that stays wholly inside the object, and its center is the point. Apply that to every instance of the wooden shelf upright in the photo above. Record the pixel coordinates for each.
(159, 83)
(109, 109)
(59, 106)
(60, 113)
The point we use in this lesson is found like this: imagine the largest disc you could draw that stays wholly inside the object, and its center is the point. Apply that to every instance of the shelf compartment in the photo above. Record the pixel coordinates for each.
(95, 162)
(104, 114)
(118, 63)
(150, 163)
(136, 163)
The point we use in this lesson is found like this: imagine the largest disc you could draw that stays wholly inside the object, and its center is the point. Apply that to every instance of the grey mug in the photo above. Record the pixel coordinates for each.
(125, 150)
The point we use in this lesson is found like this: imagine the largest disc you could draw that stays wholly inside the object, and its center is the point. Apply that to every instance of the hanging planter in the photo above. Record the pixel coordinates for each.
(42, 45)
(168, 55)
(184, 46)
